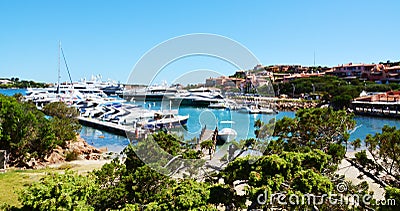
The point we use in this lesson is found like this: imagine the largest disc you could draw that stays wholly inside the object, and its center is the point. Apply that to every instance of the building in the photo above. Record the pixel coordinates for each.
(351, 71)
(223, 81)
(382, 74)
(286, 68)
(5, 81)
(287, 78)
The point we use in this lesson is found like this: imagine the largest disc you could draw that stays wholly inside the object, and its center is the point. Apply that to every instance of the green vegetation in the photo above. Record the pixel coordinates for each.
(17, 83)
(338, 92)
(25, 132)
(10, 184)
(384, 149)
(133, 185)
(301, 160)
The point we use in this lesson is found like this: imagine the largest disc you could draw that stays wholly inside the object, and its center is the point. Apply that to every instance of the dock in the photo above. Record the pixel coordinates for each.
(118, 129)
(205, 134)
(380, 109)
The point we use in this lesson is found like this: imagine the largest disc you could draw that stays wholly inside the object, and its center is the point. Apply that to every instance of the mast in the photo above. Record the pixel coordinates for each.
(59, 76)
(66, 65)
(314, 58)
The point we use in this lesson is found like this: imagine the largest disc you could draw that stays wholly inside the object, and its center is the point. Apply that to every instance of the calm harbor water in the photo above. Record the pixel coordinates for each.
(199, 117)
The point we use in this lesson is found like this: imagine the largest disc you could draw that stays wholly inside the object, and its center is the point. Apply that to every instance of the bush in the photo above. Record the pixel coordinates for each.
(67, 191)
(71, 155)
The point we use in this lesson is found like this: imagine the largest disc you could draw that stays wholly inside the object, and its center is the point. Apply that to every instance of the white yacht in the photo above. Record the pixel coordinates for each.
(226, 134)
(267, 111)
(251, 109)
(201, 97)
(166, 119)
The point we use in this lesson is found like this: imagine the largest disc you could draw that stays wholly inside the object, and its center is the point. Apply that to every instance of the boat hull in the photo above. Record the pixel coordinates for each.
(166, 124)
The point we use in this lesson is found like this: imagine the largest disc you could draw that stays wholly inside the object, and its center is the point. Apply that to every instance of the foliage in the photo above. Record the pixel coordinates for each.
(392, 194)
(341, 101)
(362, 158)
(316, 128)
(335, 90)
(300, 161)
(60, 110)
(385, 150)
(17, 83)
(208, 144)
(186, 195)
(71, 155)
(25, 132)
(67, 191)
(286, 172)
(64, 121)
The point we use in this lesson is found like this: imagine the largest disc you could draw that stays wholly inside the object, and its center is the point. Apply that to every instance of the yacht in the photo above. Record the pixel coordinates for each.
(201, 97)
(226, 104)
(66, 93)
(267, 111)
(166, 119)
(249, 109)
(227, 134)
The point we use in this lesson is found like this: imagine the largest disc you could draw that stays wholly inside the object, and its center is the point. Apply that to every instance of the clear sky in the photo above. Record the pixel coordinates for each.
(109, 37)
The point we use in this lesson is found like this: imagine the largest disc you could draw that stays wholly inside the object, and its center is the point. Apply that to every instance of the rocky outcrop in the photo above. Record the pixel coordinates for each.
(78, 149)
(54, 157)
(81, 147)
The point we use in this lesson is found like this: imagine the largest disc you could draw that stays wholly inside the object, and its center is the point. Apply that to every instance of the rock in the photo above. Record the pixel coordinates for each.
(54, 157)
(31, 163)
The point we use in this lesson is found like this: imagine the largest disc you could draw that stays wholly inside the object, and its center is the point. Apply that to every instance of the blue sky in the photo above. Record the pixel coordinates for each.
(109, 37)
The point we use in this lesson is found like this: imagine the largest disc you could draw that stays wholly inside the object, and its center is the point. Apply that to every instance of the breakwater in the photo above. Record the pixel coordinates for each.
(282, 104)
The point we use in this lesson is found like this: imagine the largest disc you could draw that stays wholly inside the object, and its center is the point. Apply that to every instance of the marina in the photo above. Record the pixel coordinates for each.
(100, 137)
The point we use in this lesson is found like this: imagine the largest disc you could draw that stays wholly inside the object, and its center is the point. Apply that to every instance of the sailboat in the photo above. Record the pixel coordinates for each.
(68, 92)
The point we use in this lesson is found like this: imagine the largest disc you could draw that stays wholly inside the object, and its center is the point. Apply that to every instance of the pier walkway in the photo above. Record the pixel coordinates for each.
(122, 130)
(206, 134)
(381, 109)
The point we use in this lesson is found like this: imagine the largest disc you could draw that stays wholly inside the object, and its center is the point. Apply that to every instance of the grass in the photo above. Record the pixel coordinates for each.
(15, 180)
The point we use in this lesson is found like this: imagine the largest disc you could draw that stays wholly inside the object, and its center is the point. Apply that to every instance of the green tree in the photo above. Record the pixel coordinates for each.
(385, 150)
(316, 128)
(208, 144)
(64, 122)
(25, 132)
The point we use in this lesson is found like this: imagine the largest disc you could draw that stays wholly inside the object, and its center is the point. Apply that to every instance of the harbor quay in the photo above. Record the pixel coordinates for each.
(381, 109)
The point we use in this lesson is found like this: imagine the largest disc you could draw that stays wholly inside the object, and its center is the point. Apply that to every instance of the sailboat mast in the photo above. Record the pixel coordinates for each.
(59, 73)
(314, 58)
(66, 65)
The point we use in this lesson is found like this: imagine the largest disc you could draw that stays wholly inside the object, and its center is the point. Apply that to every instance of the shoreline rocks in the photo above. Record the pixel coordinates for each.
(294, 106)
(78, 149)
